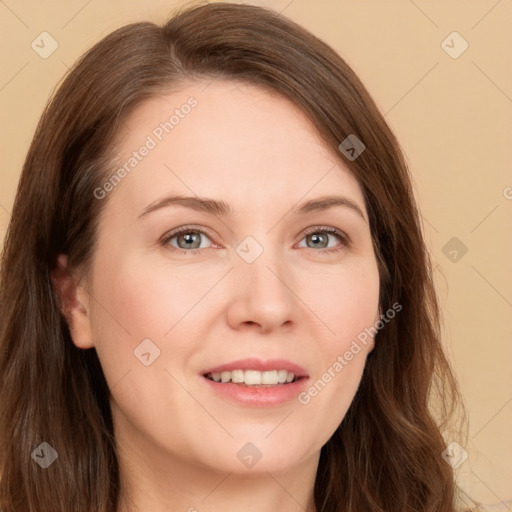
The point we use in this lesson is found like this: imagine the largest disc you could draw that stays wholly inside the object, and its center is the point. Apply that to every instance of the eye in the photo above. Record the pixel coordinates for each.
(318, 238)
(188, 239)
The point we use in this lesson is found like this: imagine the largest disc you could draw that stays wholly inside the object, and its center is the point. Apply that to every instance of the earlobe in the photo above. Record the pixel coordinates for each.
(73, 302)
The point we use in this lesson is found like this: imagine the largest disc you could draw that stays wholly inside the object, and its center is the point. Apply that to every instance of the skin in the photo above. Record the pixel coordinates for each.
(178, 440)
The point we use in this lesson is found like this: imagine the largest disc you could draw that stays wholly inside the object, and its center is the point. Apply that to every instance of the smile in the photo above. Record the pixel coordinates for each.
(253, 377)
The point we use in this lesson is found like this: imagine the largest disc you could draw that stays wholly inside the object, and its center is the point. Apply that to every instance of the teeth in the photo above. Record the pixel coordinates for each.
(237, 376)
(269, 377)
(281, 376)
(253, 377)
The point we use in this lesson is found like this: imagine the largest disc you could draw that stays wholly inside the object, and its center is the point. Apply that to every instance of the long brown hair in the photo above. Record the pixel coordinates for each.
(386, 455)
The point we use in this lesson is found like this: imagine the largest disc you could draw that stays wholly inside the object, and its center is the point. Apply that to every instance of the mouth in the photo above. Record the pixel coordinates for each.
(256, 388)
(257, 383)
(254, 378)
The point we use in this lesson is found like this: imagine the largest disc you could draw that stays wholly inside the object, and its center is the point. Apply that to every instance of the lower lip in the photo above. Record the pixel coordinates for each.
(259, 396)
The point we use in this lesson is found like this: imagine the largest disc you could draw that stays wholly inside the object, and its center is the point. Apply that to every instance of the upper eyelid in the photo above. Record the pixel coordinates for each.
(185, 229)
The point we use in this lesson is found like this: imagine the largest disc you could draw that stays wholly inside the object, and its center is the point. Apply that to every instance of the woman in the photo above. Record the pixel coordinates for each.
(215, 292)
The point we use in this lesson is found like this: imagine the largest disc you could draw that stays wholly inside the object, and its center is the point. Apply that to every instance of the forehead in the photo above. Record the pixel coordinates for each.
(229, 140)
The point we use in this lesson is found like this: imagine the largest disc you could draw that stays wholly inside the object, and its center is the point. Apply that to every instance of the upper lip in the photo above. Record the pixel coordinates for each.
(261, 365)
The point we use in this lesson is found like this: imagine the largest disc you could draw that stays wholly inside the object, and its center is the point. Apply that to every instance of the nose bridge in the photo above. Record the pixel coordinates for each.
(262, 265)
(264, 283)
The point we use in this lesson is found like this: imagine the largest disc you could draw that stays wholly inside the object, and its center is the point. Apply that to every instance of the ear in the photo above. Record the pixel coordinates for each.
(74, 303)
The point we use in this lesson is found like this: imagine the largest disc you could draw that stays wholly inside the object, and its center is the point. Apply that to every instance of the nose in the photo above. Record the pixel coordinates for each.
(263, 296)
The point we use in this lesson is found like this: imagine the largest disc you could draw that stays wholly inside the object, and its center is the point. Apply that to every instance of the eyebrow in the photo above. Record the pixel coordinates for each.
(223, 209)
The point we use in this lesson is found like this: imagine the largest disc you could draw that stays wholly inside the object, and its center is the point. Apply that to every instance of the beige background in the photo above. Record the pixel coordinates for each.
(452, 116)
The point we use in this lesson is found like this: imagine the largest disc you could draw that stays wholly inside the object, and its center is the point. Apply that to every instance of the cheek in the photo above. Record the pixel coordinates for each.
(348, 308)
(146, 301)
(326, 401)
(345, 299)
(125, 311)
(138, 302)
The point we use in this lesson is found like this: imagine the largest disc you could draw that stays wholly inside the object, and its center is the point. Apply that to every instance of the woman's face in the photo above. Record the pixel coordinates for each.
(260, 282)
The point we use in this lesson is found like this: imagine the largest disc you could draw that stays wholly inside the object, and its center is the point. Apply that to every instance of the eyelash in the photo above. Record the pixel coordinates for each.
(319, 229)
